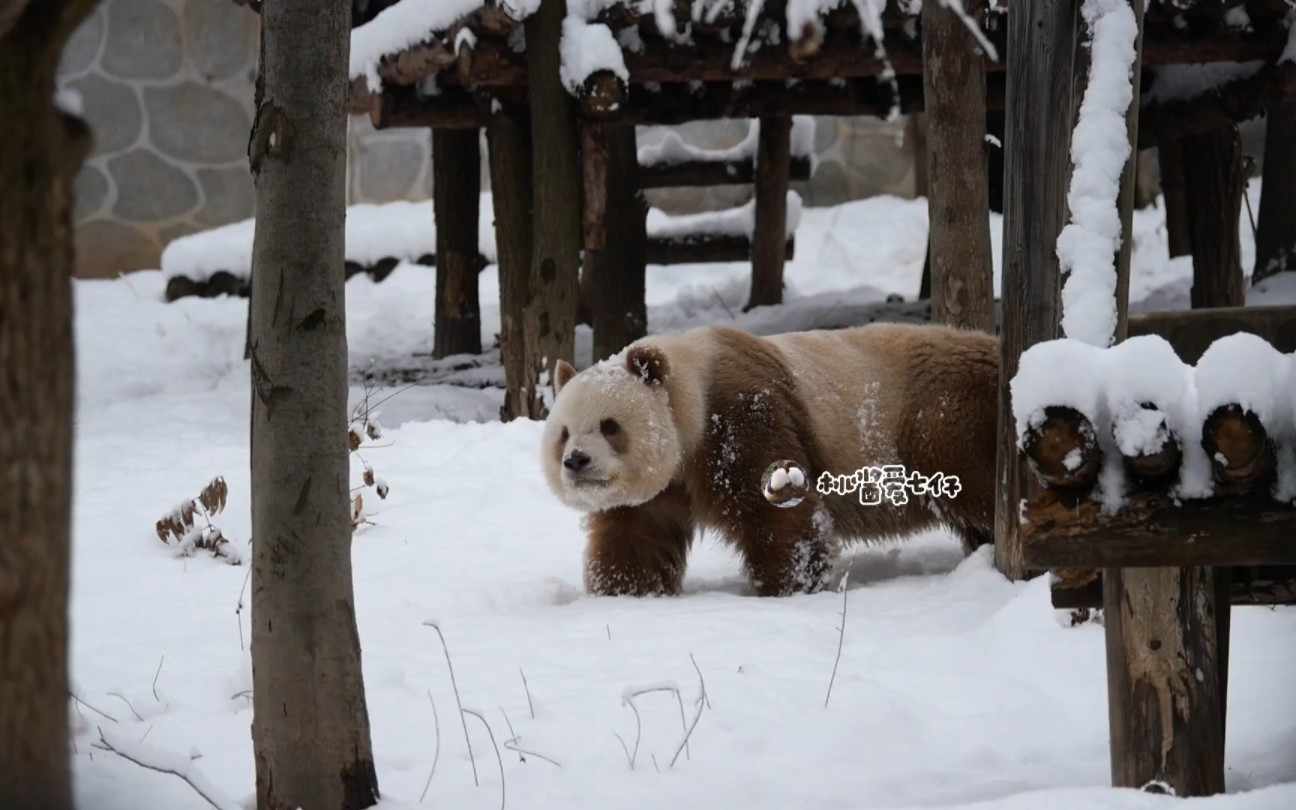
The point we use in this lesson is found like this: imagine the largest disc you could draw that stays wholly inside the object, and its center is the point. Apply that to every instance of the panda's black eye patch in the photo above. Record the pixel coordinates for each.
(563, 436)
(609, 427)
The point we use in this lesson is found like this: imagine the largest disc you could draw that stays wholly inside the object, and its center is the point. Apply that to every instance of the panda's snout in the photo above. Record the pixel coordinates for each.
(576, 460)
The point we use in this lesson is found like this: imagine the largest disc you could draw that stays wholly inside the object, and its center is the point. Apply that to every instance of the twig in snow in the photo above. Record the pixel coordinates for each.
(625, 748)
(458, 701)
(436, 724)
(147, 732)
(700, 702)
(698, 670)
(238, 609)
(628, 699)
(123, 699)
(163, 658)
(841, 638)
(166, 762)
(92, 708)
(512, 743)
(498, 758)
(527, 689)
(247, 693)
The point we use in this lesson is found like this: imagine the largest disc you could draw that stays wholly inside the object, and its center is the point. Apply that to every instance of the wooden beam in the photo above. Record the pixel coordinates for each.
(1192, 332)
(706, 249)
(508, 131)
(1125, 204)
(1150, 531)
(616, 268)
(456, 191)
(706, 173)
(769, 235)
(1250, 585)
(1230, 104)
(1174, 181)
(1215, 184)
(1276, 229)
(958, 203)
(1041, 54)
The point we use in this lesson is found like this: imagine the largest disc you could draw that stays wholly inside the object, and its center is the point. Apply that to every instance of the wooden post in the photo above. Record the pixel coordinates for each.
(1128, 179)
(509, 144)
(769, 239)
(550, 323)
(1214, 185)
(916, 130)
(616, 265)
(1041, 54)
(1276, 229)
(456, 192)
(962, 270)
(1170, 154)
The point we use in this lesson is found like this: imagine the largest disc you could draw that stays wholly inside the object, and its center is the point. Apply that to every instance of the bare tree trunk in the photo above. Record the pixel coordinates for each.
(509, 133)
(1276, 230)
(769, 237)
(962, 270)
(550, 330)
(456, 187)
(310, 729)
(41, 151)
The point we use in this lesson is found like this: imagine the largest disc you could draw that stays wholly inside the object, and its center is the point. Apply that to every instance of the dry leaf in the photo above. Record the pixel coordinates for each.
(187, 514)
(368, 476)
(359, 506)
(353, 440)
(163, 529)
(373, 430)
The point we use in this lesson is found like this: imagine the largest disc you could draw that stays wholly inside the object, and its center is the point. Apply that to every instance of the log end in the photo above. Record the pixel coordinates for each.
(1063, 451)
(1147, 465)
(1241, 453)
(603, 93)
(807, 46)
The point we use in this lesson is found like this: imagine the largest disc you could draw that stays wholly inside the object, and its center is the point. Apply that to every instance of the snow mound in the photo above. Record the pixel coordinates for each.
(398, 27)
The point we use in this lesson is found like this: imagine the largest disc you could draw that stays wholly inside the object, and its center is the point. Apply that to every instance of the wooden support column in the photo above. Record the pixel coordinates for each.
(1163, 650)
(456, 192)
(1170, 154)
(962, 269)
(1276, 229)
(508, 133)
(769, 239)
(550, 323)
(916, 131)
(1214, 187)
(1040, 61)
(616, 236)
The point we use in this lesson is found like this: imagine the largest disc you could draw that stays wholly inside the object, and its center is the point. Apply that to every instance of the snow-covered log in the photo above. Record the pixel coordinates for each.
(1063, 449)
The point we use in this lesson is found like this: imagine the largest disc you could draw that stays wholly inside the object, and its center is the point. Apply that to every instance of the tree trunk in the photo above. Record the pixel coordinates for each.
(1214, 195)
(41, 151)
(456, 188)
(962, 271)
(310, 728)
(769, 235)
(1276, 230)
(617, 269)
(509, 134)
(550, 323)
(1170, 154)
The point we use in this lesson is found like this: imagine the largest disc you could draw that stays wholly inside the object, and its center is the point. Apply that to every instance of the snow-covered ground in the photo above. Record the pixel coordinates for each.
(955, 688)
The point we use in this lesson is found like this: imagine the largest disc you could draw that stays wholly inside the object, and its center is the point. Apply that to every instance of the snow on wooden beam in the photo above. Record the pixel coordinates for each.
(1168, 114)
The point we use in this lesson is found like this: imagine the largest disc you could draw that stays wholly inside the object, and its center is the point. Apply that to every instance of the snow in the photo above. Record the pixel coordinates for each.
(1064, 372)
(1289, 52)
(402, 26)
(672, 148)
(588, 48)
(740, 221)
(1245, 370)
(1182, 82)
(971, 695)
(1100, 149)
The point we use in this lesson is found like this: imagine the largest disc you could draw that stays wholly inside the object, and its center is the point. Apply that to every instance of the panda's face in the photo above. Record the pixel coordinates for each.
(610, 439)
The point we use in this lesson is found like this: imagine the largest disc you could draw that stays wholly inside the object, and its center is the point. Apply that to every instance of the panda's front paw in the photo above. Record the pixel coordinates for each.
(631, 580)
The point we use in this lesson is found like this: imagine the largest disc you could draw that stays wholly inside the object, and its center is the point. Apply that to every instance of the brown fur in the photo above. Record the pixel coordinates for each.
(740, 403)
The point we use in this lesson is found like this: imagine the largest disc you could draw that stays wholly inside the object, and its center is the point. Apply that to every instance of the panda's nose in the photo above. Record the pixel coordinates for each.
(576, 461)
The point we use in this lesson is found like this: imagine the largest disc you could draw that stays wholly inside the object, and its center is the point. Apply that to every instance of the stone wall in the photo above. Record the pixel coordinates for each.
(167, 87)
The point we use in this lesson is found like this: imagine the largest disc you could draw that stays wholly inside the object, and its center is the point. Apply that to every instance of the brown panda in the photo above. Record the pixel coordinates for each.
(675, 433)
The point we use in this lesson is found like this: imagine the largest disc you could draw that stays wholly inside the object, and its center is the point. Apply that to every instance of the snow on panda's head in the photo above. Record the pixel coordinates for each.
(610, 438)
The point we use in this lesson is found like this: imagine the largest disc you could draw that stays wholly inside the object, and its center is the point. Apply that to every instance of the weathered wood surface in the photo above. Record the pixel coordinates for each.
(1214, 194)
(1174, 181)
(958, 202)
(1160, 466)
(456, 188)
(1192, 332)
(1241, 453)
(1164, 695)
(1066, 531)
(1233, 103)
(1276, 221)
(1063, 450)
(1248, 585)
(1125, 204)
(703, 173)
(1042, 40)
(616, 268)
(706, 249)
(769, 233)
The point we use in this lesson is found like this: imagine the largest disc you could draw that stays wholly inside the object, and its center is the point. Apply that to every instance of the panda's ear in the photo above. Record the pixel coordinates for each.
(563, 374)
(648, 363)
